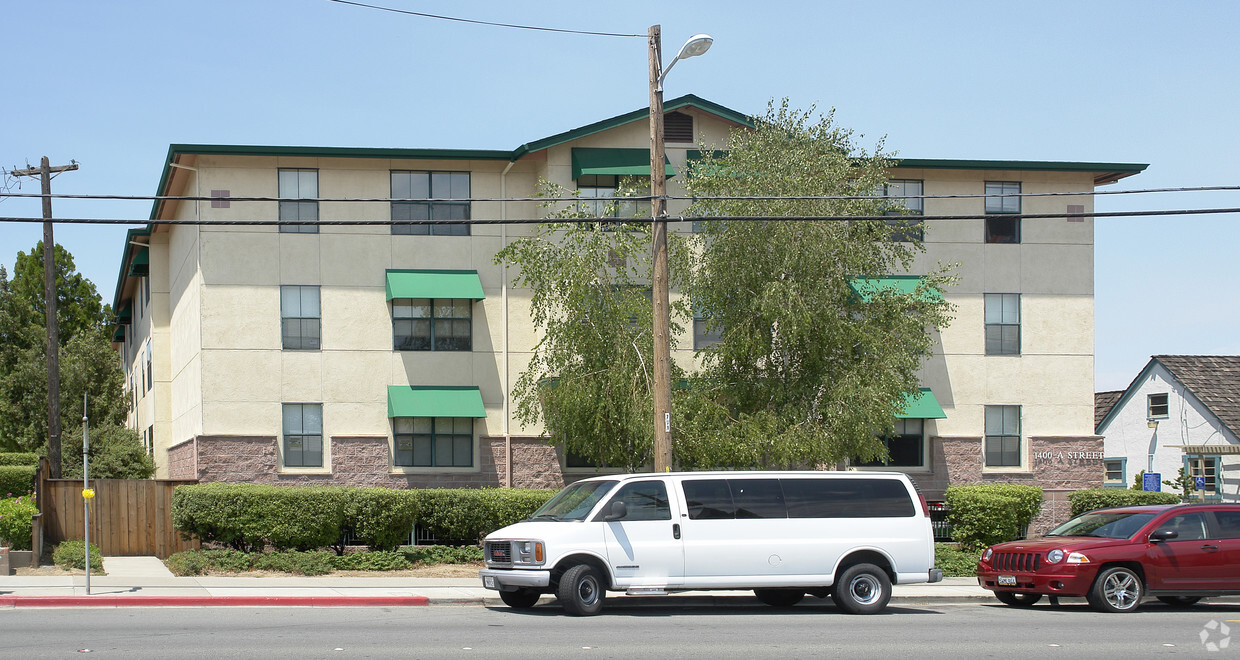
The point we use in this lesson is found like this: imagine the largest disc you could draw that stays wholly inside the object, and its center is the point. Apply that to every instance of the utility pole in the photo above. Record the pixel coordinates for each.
(44, 172)
(662, 389)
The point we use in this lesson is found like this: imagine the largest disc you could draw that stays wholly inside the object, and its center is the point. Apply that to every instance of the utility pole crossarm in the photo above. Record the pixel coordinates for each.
(38, 171)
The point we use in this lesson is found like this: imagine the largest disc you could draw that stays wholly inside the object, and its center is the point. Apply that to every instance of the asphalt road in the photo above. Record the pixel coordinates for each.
(815, 629)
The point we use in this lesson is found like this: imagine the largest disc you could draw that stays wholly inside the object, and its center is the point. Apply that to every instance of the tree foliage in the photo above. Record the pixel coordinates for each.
(808, 372)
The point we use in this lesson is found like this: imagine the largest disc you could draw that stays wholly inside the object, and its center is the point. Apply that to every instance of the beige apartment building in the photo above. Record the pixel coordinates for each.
(384, 354)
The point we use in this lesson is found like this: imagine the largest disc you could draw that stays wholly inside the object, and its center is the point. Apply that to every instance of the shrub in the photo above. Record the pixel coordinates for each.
(299, 563)
(17, 480)
(25, 459)
(441, 554)
(380, 517)
(371, 561)
(468, 514)
(953, 561)
(72, 554)
(1102, 498)
(985, 515)
(247, 517)
(15, 516)
(189, 562)
(115, 453)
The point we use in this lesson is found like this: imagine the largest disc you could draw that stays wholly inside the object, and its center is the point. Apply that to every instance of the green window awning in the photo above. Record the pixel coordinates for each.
(617, 162)
(141, 264)
(922, 405)
(434, 284)
(119, 335)
(866, 288)
(125, 315)
(435, 401)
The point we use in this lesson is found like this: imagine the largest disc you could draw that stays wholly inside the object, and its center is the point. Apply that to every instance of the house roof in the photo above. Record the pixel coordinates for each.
(1214, 380)
(1103, 403)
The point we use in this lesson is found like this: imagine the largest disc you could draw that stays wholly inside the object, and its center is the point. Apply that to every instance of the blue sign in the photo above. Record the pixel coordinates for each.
(1201, 483)
(1152, 481)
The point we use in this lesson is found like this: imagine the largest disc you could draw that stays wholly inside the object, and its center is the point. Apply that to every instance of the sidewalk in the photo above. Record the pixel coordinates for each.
(145, 582)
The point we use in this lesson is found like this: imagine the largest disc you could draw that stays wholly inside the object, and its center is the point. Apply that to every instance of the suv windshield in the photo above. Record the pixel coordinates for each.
(574, 502)
(1104, 524)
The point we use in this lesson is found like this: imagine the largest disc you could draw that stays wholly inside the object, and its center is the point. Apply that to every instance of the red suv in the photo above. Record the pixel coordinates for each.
(1114, 557)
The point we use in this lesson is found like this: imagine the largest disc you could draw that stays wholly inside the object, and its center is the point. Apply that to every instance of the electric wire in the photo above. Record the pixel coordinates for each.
(477, 22)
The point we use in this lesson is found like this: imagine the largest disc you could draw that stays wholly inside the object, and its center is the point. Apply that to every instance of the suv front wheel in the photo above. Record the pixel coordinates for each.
(1116, 589)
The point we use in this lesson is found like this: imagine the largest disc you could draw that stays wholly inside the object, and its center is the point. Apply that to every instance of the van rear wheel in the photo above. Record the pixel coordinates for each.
(862, 589)
(779, 597)
(581, 591)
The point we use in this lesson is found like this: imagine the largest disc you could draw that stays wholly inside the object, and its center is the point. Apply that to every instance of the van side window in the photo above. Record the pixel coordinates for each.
(758, 498)
(709, 499)
(847, 498)
(645, 500)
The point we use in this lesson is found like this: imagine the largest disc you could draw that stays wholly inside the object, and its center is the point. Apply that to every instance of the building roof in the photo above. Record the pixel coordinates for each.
(1103, 403)
(1214, 380)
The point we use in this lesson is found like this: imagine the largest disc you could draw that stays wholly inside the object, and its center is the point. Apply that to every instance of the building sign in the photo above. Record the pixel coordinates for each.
(1151, 481)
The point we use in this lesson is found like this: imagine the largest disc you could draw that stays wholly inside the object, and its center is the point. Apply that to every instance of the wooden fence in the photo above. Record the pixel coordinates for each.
(128, 517)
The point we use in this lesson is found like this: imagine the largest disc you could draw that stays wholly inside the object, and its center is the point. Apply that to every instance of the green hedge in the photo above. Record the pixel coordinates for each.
(985, 515)
(16, 480)
(1102, 498)
(15, 516)
(198, 562)
(25, 459)
(249, 517)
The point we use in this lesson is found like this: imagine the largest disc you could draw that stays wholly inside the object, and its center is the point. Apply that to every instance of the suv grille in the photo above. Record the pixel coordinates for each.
(1018, 561)
(498, 552)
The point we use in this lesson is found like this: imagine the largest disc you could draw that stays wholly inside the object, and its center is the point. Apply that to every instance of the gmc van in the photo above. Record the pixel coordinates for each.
(850, 535)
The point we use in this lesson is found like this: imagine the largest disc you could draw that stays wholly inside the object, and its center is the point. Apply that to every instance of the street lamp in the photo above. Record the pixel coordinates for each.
(662, 391)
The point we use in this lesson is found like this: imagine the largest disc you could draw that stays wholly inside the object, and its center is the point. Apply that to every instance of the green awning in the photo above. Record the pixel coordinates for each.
(119, 335)
(435, 401)
(434, 284)
(618, 162)
(866, 289)
(141, 263)
(922, 405)
(125, 314)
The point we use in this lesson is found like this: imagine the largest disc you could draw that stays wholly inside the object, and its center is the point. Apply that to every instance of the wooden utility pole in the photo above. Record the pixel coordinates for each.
(44, 172)
(662, 388)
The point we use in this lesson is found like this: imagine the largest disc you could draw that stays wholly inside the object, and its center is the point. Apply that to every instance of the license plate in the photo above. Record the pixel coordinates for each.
(488, 582)
(1007, 580)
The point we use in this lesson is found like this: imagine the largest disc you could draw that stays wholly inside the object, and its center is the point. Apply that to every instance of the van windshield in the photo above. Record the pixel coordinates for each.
(575, 502)
(1104, 524)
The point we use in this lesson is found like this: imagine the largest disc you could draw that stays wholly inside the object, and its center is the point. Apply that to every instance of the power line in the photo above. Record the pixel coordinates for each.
(618, 220)
(633, 198)
(477, 22)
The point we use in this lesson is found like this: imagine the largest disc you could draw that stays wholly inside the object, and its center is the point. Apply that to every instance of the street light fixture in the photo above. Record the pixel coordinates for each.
(662, 388)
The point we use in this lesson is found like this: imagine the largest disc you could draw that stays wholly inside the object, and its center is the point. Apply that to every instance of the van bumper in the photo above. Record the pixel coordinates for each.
(510, 580)
(936, 575)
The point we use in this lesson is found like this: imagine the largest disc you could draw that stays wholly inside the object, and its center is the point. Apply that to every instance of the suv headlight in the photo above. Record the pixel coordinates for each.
(1054, 556)
(529, 553)
(987, 555)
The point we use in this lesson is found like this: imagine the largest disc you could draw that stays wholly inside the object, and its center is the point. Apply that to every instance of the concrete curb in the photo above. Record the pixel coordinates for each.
(213, 601)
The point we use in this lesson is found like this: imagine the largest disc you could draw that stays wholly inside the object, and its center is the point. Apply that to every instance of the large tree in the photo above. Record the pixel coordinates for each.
(816, 358)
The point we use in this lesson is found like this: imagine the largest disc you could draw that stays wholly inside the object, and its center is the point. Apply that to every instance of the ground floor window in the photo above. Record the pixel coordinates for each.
(303, 435)
(906, 447)
(1002, 436)
(1204, 472)
(1115, 473)
(434, 441)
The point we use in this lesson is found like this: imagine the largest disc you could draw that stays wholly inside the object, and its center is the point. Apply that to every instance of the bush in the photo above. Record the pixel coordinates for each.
(72, 554)
(468, 514)
(441, 554)
(1102, 498)
(955, 562)
(382, 518)
(115, 453)
(15, 516)
(19, 458)
(985, 515)
(299, 563)
(17, 480)
(371, 561)
(189, 562)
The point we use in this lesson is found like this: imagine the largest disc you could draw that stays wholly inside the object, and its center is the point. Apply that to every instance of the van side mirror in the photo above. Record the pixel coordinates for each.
(617, 511)
(1164, 535)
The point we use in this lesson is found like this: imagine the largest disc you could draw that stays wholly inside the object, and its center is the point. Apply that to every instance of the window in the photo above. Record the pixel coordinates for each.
(1228, 524)
(149, 380)
(709, 499)
(300, 318)
(447, 198)
(1001, 225)
(597, 195)
(299, 185)
(905, 226)
(1003, 436)
(847, 498)
(1204, 471)
(703, 338)
(1158, 406)
(150, 440)
(645, 500)
(303, 435)
(758, 498)
(146, 290)
(1002, 318)
(1114, 476)
(434, 441)
(906, 448)
(677, 127)
(432, 324)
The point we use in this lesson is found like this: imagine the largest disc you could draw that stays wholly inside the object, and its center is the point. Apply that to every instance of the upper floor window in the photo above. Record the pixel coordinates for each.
(597, 195)
(148, 381)
(1002, 323)
(303, 434)
(432, 324)
(299, 185)
(446, 196)
(1003, 436)
(300, 318)
(434, 441)
(906, 226)
(1002, 201)
(1158, 406)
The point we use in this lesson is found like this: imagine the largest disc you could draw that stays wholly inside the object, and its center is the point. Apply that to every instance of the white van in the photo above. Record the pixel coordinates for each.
(850, 535)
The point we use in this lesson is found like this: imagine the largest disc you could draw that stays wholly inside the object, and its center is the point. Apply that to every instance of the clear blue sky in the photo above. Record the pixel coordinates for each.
(112, 84)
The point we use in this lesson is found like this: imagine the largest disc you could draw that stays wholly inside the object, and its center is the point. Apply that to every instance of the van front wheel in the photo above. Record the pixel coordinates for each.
(581, 591)
(862, 589)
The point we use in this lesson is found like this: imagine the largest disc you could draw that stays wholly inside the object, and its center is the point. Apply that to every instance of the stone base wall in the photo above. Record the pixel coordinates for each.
(181, 461)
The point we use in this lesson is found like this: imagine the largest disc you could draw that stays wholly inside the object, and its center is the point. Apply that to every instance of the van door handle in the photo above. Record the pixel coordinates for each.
(676, 530)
